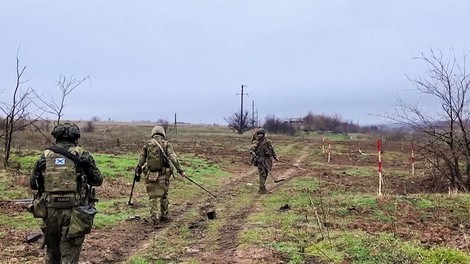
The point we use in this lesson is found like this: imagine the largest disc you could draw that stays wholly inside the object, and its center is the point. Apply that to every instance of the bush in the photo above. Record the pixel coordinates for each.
(276, 125)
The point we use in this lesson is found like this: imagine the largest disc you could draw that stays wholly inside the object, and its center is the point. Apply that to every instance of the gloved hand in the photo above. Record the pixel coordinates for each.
(252, 153)
(182, 173)
(276, 158)
(138, 170)
(137, 177)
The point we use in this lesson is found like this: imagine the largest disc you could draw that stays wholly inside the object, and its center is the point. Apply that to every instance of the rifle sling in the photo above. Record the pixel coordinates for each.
(163, 152)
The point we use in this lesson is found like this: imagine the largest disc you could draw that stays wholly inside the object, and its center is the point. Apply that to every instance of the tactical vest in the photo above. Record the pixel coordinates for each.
(155, 157)
(262, 150)
(60, 175)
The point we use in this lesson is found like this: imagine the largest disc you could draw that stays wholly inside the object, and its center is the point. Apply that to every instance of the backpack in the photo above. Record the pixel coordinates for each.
(155, 156)
(60, 174)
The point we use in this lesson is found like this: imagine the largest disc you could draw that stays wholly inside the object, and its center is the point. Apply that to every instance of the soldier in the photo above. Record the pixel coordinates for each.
(254, 136)
(263, 150)
(63, 177)
(155, 161)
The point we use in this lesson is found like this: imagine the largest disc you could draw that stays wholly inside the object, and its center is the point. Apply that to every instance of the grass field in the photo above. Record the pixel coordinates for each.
(324, 212)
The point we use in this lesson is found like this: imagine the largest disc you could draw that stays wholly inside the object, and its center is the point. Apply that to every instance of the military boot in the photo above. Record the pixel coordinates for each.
(263, 190)
(155, 220)
(165, 218)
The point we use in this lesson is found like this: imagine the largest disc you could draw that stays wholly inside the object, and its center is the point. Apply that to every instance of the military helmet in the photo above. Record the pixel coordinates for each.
(261, 131)
(68, 131)
(157, 130)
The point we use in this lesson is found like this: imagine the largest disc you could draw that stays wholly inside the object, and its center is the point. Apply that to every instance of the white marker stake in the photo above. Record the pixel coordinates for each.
(412, 159)
(379, 149)
(329, 153)
(323, 145)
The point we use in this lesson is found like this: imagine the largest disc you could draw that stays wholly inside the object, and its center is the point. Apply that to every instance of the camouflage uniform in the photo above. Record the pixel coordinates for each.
(157, 183)
(254, 137)
(55, 227)
(263, 149)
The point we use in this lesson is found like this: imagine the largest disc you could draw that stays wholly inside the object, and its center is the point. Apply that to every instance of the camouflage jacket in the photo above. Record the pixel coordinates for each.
(92, 173)
(263, 148)
(169, 152)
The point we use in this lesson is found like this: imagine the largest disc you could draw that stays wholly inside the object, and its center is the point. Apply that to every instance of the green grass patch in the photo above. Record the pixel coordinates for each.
(23, 221)
(284, 230)
(202, 170)
(9, 191)
(360, 247)
(113, 212)
(24, 160)
(444, 255)
(424, 203)
(116, 165)
(138, 259)
(358, 171)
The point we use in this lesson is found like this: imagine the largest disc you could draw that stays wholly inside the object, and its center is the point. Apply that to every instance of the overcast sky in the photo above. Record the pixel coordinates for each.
(150, 59)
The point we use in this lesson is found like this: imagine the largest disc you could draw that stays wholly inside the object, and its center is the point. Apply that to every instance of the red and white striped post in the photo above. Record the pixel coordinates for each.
(412, 159)
(323, 144)
(379, 150)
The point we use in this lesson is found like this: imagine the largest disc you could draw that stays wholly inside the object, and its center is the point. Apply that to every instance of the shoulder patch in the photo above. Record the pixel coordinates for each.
(59, 161)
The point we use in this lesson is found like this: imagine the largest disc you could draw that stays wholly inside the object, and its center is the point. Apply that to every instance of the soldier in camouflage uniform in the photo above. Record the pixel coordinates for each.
(63, 183)
(157, 179)
(254, 137)
(262, 148)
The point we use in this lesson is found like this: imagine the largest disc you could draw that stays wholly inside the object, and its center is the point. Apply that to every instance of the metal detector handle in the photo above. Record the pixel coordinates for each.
(276, 180)
(200, 186)
(132, 190)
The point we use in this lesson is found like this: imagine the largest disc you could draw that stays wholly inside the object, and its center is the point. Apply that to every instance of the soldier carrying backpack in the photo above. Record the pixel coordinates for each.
(156, 158)
(63, 177)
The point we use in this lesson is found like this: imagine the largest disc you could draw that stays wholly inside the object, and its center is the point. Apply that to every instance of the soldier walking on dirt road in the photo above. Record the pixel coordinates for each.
(63, 177)
(263, 153)
(155, 161)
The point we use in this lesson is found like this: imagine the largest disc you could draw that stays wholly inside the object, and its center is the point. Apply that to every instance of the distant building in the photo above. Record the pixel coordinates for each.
(296, 120)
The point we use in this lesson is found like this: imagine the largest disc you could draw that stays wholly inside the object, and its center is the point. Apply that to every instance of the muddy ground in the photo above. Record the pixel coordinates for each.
(118, 243)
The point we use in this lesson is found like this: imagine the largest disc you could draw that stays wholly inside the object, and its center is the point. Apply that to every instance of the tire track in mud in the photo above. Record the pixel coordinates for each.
(120, 242)
(221, 192)
(227, 241)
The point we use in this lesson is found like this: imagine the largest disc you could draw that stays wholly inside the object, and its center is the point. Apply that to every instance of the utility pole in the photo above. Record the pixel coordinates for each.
(253, 113)
(176, 128)
(240, 121)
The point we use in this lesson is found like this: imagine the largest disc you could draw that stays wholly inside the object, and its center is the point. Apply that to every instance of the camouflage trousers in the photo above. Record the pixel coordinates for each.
(263, 172)
(157, 185)
(59, 248)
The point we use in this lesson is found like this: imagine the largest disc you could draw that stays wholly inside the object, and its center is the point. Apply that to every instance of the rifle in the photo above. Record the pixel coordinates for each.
(136, 176)
(259, 161)
(198, 185)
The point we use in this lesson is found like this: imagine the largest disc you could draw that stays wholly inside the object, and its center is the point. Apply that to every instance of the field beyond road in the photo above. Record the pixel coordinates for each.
(324, 212)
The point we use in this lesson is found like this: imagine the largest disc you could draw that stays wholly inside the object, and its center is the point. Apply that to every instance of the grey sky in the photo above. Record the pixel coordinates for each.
(149, 59)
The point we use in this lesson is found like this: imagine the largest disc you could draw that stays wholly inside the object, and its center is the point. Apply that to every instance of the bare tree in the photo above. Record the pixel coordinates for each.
(239, 123)
(66, 86)
(17, 113)
(443, 136)
(164, 123)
